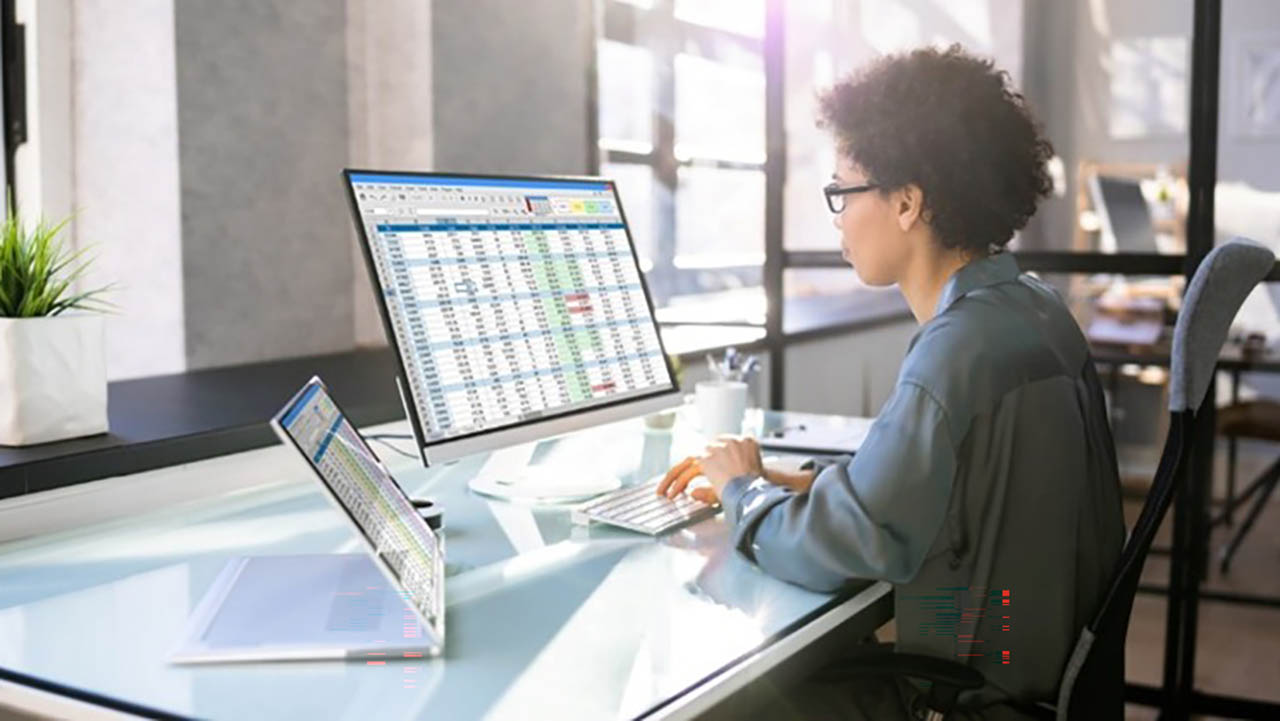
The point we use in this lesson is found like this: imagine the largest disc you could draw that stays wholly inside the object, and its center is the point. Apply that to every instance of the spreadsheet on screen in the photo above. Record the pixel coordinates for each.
(511, 299)
(368, 494)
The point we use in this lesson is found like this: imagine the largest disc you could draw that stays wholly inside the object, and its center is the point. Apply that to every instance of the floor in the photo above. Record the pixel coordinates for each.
(1238, 647)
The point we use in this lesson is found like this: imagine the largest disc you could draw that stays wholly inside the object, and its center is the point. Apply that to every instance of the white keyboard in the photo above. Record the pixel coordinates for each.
(640, 508)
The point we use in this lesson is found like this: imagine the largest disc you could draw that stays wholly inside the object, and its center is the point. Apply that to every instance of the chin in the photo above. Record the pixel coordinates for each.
(875, 280)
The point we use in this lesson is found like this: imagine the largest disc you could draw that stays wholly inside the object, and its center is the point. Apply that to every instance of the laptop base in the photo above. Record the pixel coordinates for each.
(301, 607)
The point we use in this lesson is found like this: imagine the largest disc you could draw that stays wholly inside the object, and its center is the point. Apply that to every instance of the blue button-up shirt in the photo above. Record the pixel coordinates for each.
(989, 474)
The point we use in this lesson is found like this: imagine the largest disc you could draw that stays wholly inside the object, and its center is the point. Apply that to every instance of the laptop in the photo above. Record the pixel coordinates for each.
(387, 602)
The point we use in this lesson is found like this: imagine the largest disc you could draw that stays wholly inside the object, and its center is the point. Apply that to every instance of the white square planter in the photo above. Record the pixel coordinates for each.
(53, 378)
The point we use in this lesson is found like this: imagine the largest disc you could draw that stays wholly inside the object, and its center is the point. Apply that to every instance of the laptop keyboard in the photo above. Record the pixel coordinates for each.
(640, 508)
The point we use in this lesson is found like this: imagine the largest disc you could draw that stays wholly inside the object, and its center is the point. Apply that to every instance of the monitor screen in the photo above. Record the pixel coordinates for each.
(1126, 215)
(509, 300)
(403, 543)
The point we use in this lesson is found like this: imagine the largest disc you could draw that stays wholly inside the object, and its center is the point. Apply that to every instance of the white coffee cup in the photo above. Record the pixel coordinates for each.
(721, 406)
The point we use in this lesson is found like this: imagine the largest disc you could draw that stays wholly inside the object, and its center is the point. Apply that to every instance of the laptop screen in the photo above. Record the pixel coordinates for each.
(402, 542)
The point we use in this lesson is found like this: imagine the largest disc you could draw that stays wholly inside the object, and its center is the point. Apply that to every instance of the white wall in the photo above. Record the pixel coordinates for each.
(102, 149)
(106, 144)
(511, 85)
(125, 181)
(389, 112)
(262, 116)
(44, 161)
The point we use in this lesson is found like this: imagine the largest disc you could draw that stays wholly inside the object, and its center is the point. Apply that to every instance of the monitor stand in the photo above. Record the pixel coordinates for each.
(508, 475)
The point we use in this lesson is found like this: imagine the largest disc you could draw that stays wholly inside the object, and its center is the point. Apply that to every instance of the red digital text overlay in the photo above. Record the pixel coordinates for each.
(978, 620)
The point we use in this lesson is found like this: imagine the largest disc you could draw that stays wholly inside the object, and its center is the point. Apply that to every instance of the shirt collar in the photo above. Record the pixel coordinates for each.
(981, 273)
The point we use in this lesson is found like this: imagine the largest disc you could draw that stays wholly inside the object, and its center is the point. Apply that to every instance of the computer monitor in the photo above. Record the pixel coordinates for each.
(1123, 215)
(515, 305)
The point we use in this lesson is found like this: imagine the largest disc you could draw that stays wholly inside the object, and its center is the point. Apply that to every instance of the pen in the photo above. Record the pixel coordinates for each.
(778, 432)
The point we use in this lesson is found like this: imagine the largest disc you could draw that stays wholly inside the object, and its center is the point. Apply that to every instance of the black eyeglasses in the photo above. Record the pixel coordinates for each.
(835, 194)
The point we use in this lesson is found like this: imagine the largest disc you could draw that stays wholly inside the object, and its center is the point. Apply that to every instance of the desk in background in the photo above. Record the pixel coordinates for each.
(545, 619)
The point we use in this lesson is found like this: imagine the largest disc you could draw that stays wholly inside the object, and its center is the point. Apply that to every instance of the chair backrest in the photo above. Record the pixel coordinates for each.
(1093, 680)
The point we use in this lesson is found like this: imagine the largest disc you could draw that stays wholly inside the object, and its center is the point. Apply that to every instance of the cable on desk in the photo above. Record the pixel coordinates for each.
(383, 438)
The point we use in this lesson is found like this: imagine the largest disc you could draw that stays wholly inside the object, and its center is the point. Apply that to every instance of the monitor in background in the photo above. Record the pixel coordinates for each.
(1123, 214)
(518, 311)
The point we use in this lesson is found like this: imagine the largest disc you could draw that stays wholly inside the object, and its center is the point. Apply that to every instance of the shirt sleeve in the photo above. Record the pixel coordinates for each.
(874, 515)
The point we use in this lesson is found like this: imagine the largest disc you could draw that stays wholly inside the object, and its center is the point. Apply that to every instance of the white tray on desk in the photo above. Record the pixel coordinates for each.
(819, 434)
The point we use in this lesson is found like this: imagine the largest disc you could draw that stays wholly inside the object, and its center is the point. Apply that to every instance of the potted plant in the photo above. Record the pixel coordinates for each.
(53, 378)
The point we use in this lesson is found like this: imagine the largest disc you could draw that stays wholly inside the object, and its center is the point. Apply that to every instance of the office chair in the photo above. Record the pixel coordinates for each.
(1092, 681)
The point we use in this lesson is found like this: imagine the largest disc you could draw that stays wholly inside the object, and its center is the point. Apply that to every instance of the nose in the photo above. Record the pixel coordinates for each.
(835, 220)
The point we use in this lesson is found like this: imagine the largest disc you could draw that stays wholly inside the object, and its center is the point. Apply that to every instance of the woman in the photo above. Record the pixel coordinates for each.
(990, 473)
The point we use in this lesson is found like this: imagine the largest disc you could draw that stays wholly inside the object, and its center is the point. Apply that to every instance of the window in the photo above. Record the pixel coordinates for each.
(682, 131)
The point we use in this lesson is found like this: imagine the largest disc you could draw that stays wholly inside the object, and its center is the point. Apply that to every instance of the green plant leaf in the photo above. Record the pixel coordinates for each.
(38, 271)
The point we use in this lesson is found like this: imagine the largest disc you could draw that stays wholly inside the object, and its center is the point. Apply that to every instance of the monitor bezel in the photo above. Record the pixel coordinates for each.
(488, 439)
(435, 643)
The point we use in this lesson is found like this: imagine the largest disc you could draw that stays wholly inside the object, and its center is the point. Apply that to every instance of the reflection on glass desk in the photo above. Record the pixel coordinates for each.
(547, 619)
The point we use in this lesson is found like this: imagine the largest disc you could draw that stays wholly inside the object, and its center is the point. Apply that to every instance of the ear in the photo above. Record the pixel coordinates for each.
(908, 204)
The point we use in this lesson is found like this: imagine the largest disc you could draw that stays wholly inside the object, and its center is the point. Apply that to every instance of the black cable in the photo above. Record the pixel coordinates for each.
(381, 438)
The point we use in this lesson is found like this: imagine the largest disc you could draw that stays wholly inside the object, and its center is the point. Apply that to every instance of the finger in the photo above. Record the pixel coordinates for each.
(706, 494)
(682, 480)
(675, 471)
(671, 475)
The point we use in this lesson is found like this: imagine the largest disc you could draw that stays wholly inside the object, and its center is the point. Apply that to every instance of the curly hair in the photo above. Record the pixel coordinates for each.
(953, 125)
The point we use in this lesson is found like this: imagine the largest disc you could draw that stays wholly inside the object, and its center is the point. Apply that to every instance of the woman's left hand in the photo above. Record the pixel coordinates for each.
(725, 459)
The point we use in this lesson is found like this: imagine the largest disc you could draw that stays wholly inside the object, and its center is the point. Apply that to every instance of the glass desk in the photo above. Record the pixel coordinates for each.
(545, 619)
